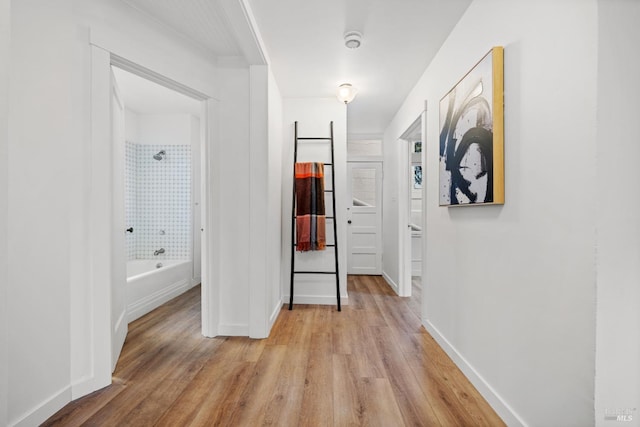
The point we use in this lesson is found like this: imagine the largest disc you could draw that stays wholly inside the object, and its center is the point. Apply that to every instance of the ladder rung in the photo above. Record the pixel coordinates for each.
(313, 139)
(314, 272)
(326, 217)
(328, 246)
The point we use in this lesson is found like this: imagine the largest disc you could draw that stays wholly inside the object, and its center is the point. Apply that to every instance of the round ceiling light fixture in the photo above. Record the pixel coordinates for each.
(346, 93)
(353, 39)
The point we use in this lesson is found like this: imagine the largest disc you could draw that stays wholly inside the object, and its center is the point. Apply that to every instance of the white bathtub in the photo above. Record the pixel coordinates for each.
(148, 286)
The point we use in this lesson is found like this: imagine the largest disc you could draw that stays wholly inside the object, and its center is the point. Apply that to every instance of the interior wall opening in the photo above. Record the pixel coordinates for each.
(411, 213)
(157, 181)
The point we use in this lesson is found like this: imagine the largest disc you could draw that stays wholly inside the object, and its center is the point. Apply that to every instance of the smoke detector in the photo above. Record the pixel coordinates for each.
(352, 39)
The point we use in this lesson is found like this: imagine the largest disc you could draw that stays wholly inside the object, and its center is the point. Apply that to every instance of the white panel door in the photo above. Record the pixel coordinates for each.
(364, 218)
(118, 258)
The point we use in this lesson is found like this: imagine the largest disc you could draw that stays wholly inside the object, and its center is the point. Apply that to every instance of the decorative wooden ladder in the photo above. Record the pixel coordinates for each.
(332, 218)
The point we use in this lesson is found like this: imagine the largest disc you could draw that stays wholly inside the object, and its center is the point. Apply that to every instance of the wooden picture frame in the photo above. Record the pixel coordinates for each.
(472, 136)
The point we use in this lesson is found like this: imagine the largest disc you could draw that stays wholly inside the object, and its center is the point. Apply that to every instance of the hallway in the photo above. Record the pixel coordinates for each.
(371, 364)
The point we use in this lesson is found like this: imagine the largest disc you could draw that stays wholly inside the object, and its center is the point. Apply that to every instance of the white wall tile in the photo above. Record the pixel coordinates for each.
(158, 201)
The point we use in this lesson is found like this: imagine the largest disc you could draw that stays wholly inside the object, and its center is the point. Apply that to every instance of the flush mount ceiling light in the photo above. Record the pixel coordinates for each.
(352, 39)
(346, 93)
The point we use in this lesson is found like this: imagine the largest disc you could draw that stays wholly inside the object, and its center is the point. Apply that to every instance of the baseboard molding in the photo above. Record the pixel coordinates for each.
(505, 412)
(43, 411)
(317, 299)
(139, 308)
(391, 283)
(274, 314)
(233, 330)
(88, 384)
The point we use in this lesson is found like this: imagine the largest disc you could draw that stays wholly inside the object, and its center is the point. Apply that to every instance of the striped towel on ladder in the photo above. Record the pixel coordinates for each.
(310, 213)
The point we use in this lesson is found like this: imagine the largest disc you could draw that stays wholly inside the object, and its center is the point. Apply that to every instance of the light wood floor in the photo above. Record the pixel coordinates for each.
(371, 364)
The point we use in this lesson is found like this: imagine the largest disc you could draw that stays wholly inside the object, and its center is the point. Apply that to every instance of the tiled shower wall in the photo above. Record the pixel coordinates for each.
(158, 201)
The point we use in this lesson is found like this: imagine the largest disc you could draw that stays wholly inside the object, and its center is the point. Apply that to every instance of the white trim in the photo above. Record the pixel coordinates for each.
(99, 255)
(100, 219)
(391, 283)
(139, 308)
(365, 159)
(274, 314)
(158, 78)
(239, 17)
(211, 249)
(135, 56)
(85, 385)
(508, 415)
(258, 201)
(404, 234)
(425, 196)
(233, 329)
(40, 413)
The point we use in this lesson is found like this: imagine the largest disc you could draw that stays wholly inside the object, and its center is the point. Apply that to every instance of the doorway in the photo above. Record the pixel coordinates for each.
(411, 227)
(364, 218)
(106, 230)
(156, 197)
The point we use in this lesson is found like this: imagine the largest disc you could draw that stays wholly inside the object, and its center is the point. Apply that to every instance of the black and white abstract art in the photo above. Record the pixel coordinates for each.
(471, 153)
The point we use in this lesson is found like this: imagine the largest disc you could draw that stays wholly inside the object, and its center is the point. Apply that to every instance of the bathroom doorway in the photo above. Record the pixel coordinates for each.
(104, 231)
(156, 169)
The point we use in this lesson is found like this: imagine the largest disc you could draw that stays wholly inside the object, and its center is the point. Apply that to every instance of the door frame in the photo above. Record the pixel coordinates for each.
(100, 211)
(119, 323)
(404, 230)
(379, 190)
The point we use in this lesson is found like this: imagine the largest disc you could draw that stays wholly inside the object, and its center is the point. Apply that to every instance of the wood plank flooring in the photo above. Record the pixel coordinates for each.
(372, 364)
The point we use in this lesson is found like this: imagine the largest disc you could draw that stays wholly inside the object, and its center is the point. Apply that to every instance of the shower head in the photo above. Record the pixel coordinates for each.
(160, 155)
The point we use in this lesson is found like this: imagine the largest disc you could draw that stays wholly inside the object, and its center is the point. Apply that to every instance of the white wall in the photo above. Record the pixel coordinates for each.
(275, 212)
(618, 212)
(131, 125)
(117, 28)
(51, 309)
(313, 116)
(41, 141)
(234, 149)
(163, 129)
(4, 111)
(509, 291)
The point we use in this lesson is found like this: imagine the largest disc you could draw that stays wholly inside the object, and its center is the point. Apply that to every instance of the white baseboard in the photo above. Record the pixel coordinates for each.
(39, 414)
(233, 330)
(88, 384)
(139, 308)
(274, 314)
(505, 412)
(391, 283)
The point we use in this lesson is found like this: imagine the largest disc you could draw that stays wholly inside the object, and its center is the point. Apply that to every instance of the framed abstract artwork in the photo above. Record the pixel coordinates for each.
(417, 176)
(472, 136)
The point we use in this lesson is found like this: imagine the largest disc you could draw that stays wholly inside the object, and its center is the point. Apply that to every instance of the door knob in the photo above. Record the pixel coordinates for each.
(130, 230)
(349, 222)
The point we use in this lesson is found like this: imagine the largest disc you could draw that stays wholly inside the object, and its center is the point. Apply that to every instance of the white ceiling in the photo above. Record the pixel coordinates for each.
(305, 46)
(203, 21)
(305, 43)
